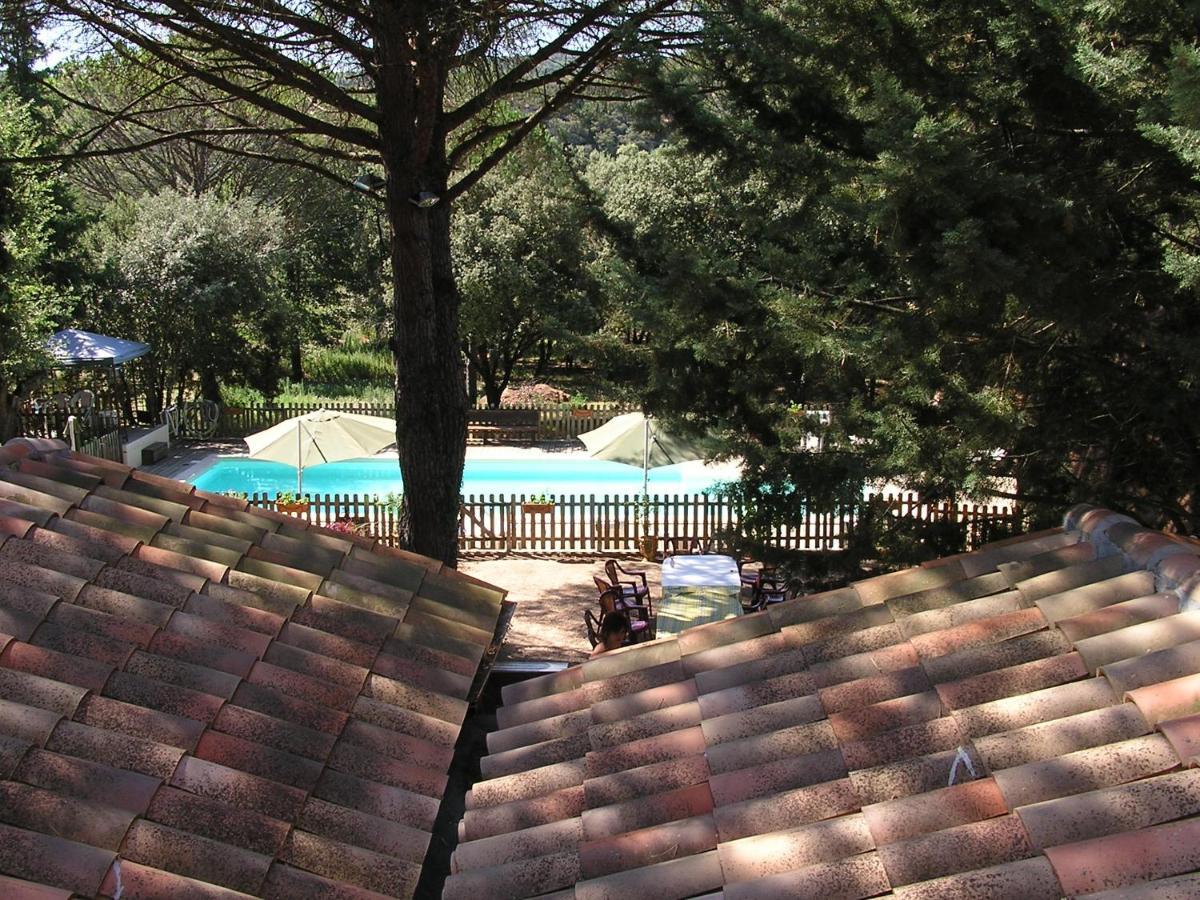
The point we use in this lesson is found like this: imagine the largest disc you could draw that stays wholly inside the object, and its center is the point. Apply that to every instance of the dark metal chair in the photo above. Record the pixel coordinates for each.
(642, 622)
(593, 626)
(634, 586)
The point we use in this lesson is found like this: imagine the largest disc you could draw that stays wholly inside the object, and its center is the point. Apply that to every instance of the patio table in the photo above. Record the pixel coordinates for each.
(696, 590)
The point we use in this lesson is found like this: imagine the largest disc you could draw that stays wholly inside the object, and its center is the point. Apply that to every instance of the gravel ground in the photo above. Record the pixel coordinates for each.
(551, 595)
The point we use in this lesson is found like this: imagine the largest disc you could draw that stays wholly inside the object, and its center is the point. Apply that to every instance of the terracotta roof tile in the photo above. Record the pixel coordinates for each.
(429, 703)
(149, 692)
(756, 671)
(82, 547)
(829, 626)
(216, 820)
(903, 743)
(539, 782)
(184, 853)
(815, 606)
(1137, 640)
(907, 581)
(855, 724)
(276, 591)
(673, 745)
(788, 809)
(86, 644)
(1058, 737)
(644, 781)
(115, 749)
(210, 607)
(864, 665)
(964, 847)
(773, 778)
(92, 621)
(1047, 561)
(87, 780)
(852, 877)
(273, 702)
(765, 748)
(167, 509)
(1010, 681)
(182, 538)
(272, 732)
(365, 763)
(44, 693)
(159, 590)
(1070, 577)
(534, 875)
(742, 630)
(634, 704)
(647, 846)
(125, 606)
(198, 652)
(675, 878)
(17, 493)
(1123, 808)
(13, 510)
(960, 613)
(862, 692)
(172, 553)
(363, 830)
(1127, 857)
(961, 804)
(350, 864)
(949, 595)
(135, 531)
(53, 860)
(750, 650)
(365, 627)
(566, 803)
(1027, 879)
(48, 557)
(1085, 770)
(1153, 668)
(1181, 887)
(385, 801)
(59, 667)
(41, 581)
(659, 808)
(310, 688)
(12, 753)
(257, 759)
(422, 675)
(645, 725)
(918, 774)
(1037, 706)
(406, 721)
(28, 723)
(241, 789)
(1184, 735)
(288, 883)
(1119, 615)
(862, 641)
(114, 715)
(757, 720)
(115, 542)
(1000, 655)
(146, 521)
(316, 640)
(785, 851)
(204, 629)
(1166, 700)
(40, 810)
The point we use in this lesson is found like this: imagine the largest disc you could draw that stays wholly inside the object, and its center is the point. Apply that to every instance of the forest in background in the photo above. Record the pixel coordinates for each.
(967, 231)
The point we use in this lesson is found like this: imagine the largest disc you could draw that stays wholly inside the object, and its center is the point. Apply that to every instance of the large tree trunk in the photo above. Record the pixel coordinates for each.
(10, 414)
(431, 419)
(431, 398)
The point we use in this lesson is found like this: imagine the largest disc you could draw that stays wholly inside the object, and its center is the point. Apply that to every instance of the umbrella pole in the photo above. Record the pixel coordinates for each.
(299, 461)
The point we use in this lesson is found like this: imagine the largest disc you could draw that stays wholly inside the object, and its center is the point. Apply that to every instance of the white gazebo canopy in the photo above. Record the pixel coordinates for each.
(72, 347)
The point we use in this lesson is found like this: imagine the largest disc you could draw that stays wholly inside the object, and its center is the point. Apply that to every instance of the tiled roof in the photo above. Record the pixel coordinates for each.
(200, 700)
(1022, 722)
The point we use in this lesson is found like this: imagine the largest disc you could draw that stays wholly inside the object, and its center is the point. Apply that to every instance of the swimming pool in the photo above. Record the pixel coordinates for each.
(482, 477)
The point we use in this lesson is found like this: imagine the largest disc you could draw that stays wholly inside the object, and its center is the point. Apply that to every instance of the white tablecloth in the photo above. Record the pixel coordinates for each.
(696, 590)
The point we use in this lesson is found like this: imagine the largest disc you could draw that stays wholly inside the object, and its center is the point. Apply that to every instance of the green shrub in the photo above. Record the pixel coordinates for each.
(341, 366)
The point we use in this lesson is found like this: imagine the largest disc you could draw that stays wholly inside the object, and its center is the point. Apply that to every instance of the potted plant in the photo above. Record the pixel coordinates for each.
(538, 504)
(289, 502)
(579, 409)
(647, 542)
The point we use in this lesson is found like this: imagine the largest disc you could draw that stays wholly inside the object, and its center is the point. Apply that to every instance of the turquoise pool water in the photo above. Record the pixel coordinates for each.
(559, 477)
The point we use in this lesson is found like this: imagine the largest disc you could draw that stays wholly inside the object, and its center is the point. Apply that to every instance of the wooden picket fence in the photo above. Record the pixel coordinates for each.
(610, 524)
(554, 421)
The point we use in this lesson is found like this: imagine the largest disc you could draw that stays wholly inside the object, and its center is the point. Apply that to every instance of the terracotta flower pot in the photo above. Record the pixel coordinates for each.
(537, 508)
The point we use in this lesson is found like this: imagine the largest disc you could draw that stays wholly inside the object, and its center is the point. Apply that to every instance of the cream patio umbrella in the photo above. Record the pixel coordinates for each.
(320, 437)
(639, 440)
